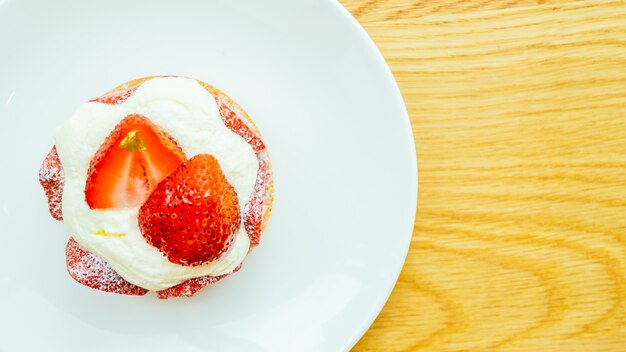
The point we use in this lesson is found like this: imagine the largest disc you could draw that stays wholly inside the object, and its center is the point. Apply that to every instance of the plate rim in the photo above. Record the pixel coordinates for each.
(408, 128)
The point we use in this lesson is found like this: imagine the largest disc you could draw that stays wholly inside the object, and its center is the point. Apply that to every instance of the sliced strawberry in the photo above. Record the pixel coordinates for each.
(239, 126)
(235, 118)
(52, 178)
(193, 214)
(133, 159)
(115, 97)
(90, 270)
(191, 286)
(255, 209)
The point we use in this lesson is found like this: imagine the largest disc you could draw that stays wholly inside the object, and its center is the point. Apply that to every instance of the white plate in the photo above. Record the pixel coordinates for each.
(336, 129)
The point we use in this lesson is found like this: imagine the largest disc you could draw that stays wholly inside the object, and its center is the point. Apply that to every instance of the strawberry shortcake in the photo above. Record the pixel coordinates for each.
(164, 184)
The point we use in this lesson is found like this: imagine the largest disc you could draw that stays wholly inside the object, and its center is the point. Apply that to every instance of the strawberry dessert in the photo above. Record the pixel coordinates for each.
(164, 184)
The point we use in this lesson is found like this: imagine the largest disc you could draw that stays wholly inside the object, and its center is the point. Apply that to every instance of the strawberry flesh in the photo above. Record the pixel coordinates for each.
(254, 209)
(235, 118)
(240, 127)
(191, 286)
(90, 270)
(52, 178)
(193, 214)
(116, 97)
(133, 159)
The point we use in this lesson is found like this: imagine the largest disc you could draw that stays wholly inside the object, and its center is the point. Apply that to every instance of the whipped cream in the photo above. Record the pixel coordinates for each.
(188, 113)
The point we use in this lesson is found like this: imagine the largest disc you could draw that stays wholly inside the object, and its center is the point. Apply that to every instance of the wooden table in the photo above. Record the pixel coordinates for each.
(519, 115)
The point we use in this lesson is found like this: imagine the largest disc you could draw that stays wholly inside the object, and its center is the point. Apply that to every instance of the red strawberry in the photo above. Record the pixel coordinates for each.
(191, 286)
(52, 178)
(90, 270)
(239, 126)
(115, 97)
(193, 214)
(235, 118)
(254, 209)
(133, 159)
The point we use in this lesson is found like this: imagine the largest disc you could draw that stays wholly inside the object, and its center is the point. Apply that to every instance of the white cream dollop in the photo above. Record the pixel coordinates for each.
(188, 113)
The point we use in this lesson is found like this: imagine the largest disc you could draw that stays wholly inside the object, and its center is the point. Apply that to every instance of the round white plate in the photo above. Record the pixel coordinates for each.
(336, 129)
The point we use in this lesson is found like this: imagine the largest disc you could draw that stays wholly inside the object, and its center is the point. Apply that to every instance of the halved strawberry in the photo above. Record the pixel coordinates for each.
(52, 178)
(193, 214)
(90, 270)
(130, 163)
(256, 209)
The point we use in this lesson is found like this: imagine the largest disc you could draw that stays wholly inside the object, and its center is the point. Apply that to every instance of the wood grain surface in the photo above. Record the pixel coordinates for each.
(519, 115)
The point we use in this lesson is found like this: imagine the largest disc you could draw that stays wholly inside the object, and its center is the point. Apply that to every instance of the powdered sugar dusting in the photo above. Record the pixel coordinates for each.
(188, 113)
(92, 271)
(239, 126)
(52, 178)
(191, 286)
(116, 97)
(256, 206)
